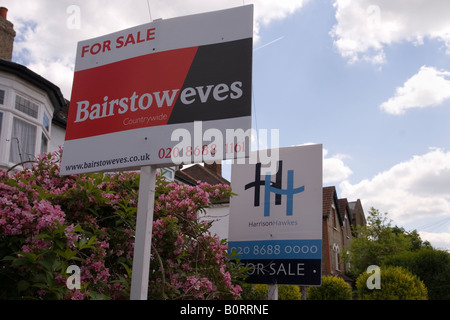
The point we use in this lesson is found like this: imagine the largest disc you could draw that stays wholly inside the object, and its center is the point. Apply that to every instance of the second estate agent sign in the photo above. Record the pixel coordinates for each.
(132, 89)
(276, 217)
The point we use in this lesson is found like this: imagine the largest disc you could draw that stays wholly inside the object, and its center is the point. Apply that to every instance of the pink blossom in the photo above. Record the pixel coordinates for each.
(53, 213)
(77, 295)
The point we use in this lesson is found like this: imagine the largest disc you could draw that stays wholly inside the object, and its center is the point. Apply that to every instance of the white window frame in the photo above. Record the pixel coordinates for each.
(19, 145)
(10, 113)
(336, 251)
(168, 173)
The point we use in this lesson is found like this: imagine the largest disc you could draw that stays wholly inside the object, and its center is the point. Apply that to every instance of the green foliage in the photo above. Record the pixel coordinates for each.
(254, 291)
(332, 288)
(260, 292)
(377, 241)
(431, 266)
(286, 292)
(396, 284)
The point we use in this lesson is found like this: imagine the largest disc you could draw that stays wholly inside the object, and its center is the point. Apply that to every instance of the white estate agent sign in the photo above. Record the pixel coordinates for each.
(276, 218)
(134, 88)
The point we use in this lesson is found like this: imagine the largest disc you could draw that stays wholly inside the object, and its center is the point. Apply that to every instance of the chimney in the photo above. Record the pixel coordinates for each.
(7, 35)
(3, 12)
(215, 168)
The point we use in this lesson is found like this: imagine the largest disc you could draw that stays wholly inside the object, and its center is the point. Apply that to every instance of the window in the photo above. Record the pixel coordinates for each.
(23, 141)
(337, 259)
(347, 228)
(168, 173)
(334, 217)
(27, 107)
(2, 96)
(46, 122)
(44, 143)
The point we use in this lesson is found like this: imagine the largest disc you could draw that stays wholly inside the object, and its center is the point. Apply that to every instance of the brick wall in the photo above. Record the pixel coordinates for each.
(7, 35)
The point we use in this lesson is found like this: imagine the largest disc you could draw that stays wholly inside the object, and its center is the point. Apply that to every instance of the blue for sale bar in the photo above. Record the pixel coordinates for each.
(277, 249)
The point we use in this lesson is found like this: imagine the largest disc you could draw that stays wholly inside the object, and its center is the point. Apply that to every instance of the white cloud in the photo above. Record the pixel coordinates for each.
(46, 44)
(438, 240)
(429, 87)
(415, 189)
(365, 27)
(267, 11)
(334, 168)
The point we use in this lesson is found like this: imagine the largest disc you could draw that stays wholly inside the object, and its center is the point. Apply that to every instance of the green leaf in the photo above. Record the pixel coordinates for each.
(28, 255)
(127, 269)
(78, 228)
(85, 244)
(67, 254)
(91, 241)
(22, 285)
(98, 296)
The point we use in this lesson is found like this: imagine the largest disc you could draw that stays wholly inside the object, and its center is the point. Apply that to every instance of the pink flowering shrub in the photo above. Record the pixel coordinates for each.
(49, 222)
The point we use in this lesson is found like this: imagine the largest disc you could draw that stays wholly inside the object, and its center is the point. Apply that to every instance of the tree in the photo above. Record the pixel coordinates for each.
(376, 241)
(416, 242)
(49, 223)
(396, 284)
(332, 288)
(431, 266)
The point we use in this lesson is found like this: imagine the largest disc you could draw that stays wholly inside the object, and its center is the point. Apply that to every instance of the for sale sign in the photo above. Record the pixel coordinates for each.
(276, 217)
(140, 94)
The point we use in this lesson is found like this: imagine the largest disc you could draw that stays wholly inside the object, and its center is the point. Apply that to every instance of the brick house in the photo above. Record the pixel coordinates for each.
(357, 214)
(339, 216)
(7, 35)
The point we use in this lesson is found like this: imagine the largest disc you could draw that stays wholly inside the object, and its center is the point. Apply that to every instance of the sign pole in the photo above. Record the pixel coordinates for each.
(304, 290)
(143, 236)
(273, 292)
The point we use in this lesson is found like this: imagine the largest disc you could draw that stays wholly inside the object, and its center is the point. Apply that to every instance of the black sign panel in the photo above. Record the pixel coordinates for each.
(305, 272)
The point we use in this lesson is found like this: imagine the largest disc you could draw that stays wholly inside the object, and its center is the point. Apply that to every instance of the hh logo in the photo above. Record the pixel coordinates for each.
(274, 187)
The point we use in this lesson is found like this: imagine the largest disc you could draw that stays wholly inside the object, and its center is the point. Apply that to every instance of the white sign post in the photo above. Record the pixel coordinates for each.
(138, 92)
(143, 236)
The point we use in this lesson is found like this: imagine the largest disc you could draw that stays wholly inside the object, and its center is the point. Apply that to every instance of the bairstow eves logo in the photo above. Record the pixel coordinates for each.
(274, 187)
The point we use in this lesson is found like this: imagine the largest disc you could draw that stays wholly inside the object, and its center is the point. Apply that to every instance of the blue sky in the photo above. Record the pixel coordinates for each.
(370, 80)
(307, 89)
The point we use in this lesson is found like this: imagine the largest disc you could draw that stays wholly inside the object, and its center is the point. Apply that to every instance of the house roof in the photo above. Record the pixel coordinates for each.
(343, 207)
(185, 178)
(198, 172)
(329, 198)
(54, 93)
(357, 213)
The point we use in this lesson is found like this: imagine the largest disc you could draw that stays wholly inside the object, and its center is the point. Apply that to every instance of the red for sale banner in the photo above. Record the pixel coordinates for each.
(132, 89)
